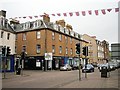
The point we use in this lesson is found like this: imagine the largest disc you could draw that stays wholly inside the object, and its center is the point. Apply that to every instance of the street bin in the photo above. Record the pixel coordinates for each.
(104, 72)
(18, 71)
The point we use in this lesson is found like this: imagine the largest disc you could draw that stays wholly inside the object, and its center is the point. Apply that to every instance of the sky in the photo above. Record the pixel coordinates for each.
(104, 27)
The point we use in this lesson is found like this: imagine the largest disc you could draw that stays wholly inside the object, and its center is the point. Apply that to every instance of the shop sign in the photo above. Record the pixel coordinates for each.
(48, 56)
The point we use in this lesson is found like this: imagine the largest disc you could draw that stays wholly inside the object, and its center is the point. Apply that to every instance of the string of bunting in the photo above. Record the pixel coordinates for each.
(78, 13)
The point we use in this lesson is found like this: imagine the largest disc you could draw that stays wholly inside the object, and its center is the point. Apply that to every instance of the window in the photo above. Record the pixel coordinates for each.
(66, 39)
(53, 48)
(24, 49)
(8, 36)
(60, 37)
(38, 34)
(71, 40)
(2, 34)
(53, 35)
(60, 49)
(56, 27)
(66, 50)
(24, 36)
(38, 47)
(71, 51)
(15, 49)
(61, 29)
(16, 37)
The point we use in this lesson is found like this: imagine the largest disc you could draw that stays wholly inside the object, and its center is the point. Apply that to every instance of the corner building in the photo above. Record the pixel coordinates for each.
(42, 36)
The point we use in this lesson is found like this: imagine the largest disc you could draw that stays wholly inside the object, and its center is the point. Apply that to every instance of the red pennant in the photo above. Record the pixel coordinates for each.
(46, 14)
(103, 11)
(58, 14)
(53, 14)
(116, 9)
(64, 14)
(24, 17)
(83, 13)
(41, 15)
(36, 16)
(96, 12)
(109, 10)
(71, 14)
(30, 17)
(90, 12)
(77, 13)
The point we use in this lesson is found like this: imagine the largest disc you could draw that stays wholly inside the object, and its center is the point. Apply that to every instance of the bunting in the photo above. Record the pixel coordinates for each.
(78, 13)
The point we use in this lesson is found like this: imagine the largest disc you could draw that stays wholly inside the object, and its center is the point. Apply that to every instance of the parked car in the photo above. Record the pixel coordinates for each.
(76, 67)
(104, 65)
(65, 67)
(88, 68)
(94, 64)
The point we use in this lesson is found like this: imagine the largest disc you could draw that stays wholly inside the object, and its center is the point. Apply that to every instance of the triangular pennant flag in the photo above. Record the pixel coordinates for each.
(53, 14)
(90, 12)
(103, 11)
(58, 14)
(64, 14)
(30, 17)
(109, 10)
(46, 14)
(71, 14)
(41, 15)
(83, 13)
(96, 12)
(24, 17)
(77, 13)
(36, 16)
(116, 9)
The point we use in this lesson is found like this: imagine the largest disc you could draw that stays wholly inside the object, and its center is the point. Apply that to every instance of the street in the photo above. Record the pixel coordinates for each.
(60, 79)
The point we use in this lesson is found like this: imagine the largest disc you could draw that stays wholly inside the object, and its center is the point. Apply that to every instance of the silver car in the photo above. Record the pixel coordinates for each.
(65, 67)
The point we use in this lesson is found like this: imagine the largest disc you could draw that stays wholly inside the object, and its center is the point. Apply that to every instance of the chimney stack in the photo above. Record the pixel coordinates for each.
(46, 18)
(13, 21)
(3, 13)
(61, 22)
(69, 27)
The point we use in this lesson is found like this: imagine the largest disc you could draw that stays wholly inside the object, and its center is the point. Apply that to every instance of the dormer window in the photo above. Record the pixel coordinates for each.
(66, 31)
(61, 29)
(2, 21)
(2, 34)
(56, 27)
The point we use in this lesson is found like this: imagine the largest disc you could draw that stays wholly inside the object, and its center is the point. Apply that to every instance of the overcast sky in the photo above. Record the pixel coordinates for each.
(104, 27)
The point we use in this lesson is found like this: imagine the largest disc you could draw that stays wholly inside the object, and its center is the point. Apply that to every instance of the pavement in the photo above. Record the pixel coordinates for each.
(90, 82)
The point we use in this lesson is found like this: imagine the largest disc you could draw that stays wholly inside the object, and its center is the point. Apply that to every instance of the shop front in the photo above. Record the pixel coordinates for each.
(7, 63)
(34, 63)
